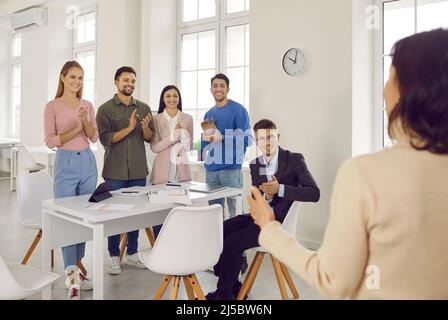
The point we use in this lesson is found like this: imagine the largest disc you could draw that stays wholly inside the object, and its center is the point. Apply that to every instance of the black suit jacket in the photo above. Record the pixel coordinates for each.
(294, 174)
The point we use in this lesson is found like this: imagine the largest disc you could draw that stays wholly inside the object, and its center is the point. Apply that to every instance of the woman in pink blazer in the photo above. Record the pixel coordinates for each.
(174, 139)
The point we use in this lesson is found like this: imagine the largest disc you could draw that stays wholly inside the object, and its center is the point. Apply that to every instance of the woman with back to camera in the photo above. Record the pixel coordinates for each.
(386, 236)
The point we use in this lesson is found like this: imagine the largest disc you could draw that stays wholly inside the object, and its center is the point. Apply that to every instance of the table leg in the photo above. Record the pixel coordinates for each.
(98, 263)
(46, 251)
(13, 167)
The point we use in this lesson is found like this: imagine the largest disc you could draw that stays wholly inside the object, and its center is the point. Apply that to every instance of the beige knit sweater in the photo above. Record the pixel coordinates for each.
(387, 235)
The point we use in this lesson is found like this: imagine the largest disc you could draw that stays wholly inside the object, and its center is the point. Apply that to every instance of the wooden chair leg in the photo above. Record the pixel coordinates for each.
(124, 242)
(52, 259)
(196, 287)
(32, 247)
(251, 275)
(162, 288)
(175, 289)
(81, 267)
(150, 235)
(279, 276)
(289, 281)
(188, 289)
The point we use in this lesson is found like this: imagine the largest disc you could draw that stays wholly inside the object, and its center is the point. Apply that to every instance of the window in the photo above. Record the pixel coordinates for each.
(237, 6)
(402, 18)
(237, 61)
(84, 50)
(16, 85)
(198, 9)
(16, 70)
(213, 37)
(16, 48)
(87, 60)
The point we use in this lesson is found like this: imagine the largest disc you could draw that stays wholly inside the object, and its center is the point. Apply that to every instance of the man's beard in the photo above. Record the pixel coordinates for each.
(127, 94)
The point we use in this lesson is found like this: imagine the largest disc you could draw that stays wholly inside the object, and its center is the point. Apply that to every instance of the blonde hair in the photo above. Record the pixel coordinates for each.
(65, 69)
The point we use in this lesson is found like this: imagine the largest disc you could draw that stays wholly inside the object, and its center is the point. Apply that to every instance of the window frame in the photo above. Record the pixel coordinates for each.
(379, 56)
(14, 61)
(81, 12)
(219, 23)
(87, 46)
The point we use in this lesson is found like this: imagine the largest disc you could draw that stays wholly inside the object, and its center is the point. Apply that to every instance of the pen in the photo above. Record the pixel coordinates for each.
(129, 191)
(174, 184)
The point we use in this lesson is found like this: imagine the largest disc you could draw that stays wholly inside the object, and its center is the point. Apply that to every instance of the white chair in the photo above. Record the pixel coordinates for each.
(190, 241)
(27, 161)
(20, 282)
(32, 189)
(281, 271)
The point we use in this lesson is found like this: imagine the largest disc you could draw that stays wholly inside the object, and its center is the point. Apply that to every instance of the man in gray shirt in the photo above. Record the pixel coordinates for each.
(124, 124)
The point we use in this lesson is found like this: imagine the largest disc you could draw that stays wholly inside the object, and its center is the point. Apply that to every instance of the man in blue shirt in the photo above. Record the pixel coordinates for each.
(226, 136)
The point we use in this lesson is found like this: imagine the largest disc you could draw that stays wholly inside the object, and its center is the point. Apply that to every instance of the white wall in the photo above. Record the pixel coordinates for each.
(117, 44)
(313, 112)
(42, 59)
(363, 79)
(159, 19)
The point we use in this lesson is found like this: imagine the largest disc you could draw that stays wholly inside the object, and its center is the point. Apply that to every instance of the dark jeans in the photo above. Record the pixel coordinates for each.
(114, 241)
(240, 234)
(156, 230)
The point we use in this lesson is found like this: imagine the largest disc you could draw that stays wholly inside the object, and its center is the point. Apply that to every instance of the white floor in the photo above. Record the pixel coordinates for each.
(132, 283)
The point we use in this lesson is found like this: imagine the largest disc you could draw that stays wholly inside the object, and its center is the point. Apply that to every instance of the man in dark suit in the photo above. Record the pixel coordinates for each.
(283, 177)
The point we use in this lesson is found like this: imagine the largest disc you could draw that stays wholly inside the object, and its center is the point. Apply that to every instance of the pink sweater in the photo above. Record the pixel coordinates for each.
(60, 118)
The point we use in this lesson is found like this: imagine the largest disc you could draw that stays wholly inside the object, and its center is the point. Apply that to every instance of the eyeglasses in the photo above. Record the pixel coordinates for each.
(270, 138)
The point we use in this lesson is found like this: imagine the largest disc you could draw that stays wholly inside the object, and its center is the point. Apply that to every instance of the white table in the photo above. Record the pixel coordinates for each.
(50, 155)
(67, 221)
(11, 144)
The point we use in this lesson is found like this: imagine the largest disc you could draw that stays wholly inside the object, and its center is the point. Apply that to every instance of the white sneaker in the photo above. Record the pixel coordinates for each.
(73, 292)
(114, 267)
(85, 283)
(134, 260)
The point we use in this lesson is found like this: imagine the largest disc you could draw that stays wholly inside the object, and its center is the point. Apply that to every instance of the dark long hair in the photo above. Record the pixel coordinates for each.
(421, 64)
(162, 105)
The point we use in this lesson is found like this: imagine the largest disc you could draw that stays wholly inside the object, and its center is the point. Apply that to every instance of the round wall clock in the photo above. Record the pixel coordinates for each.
(295, 62)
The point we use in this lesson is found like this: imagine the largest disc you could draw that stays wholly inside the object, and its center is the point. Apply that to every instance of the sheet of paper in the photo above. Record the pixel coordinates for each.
(179, 196)
(110, 207)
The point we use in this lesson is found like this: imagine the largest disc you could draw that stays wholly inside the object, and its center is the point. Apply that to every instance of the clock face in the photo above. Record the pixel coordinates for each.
(294, 62)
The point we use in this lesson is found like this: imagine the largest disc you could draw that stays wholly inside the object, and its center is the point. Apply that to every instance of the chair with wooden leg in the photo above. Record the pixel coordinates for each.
(280, 270)
(32, 189)
(124, 241)
(190, 241)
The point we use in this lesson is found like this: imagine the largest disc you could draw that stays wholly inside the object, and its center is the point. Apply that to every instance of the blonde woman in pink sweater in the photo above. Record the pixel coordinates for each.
(387, 232)
(69, 123)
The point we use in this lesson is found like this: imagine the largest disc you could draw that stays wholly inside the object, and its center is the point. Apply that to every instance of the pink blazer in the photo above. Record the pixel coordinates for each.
(162, 146)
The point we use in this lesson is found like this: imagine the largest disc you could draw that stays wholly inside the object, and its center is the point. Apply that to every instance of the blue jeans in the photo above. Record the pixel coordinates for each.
(230, 178)
(75, 174)
(113, 242)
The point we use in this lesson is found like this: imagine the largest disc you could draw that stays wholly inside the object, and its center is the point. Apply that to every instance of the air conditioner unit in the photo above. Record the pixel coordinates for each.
(29, 18)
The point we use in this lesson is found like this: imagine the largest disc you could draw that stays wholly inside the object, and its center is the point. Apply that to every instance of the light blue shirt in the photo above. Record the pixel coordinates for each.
(271, 169)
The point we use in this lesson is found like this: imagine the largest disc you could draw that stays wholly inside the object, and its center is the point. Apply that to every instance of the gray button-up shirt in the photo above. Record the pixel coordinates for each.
(126, 159)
